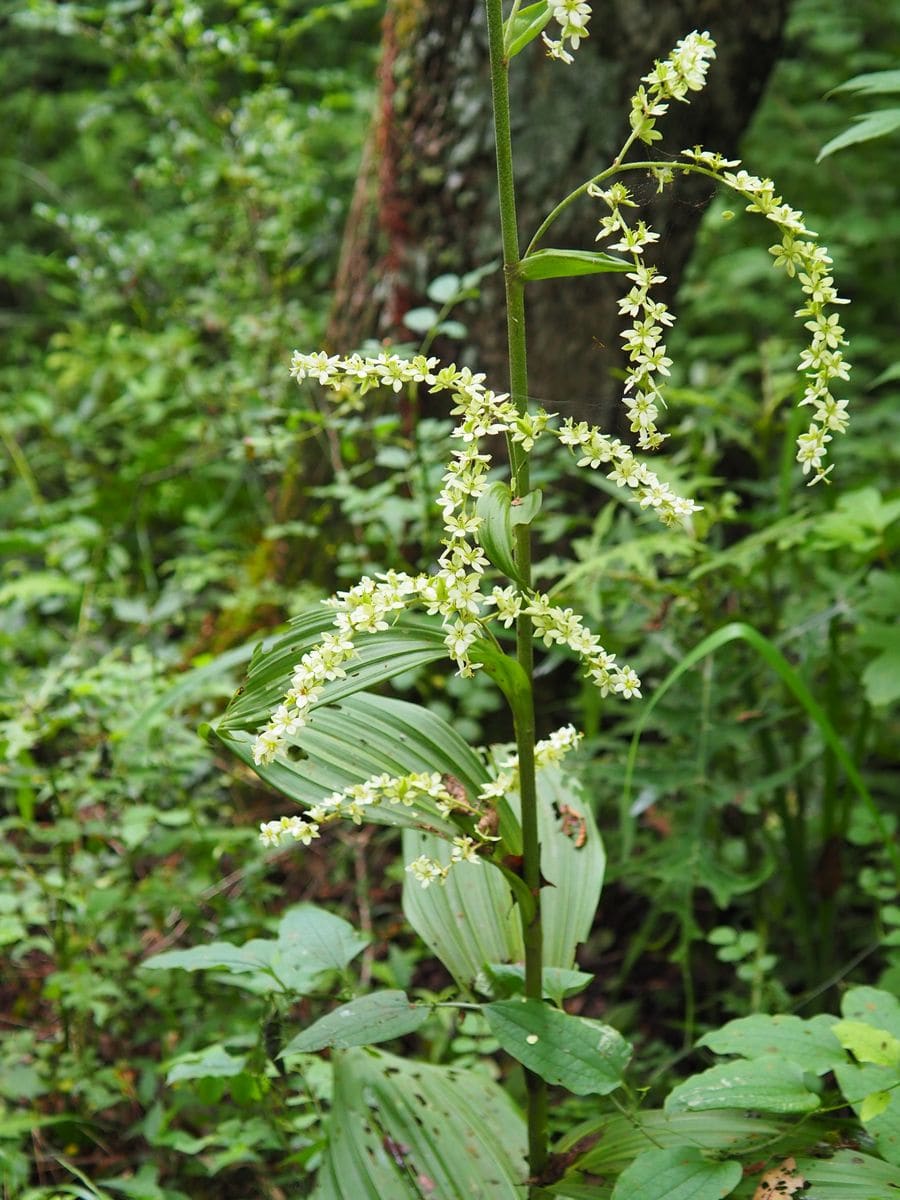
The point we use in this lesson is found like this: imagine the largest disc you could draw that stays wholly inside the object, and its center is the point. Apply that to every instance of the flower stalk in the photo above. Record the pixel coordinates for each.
(523, 714)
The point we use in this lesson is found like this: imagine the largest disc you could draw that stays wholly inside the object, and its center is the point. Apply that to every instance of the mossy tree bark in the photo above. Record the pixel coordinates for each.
(425, 202)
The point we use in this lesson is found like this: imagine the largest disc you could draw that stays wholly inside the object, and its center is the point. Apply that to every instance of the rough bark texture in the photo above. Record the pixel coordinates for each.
(425, 202)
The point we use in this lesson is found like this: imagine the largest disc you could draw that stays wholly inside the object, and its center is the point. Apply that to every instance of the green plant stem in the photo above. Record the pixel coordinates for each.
(532, 931)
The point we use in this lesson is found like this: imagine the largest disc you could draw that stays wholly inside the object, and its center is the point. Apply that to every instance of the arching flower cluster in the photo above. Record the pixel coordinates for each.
(549, 751)
(647, 357)
(422, 794)
(456, 591)
(572, 17)
(800, 256)
(671, 79)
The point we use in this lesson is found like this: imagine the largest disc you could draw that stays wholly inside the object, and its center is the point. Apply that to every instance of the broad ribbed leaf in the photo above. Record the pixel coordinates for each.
(403, 1130)
(771, 1084)
(378, 1017)
(678, 1173)
(466, 922)
(581, 1055)
(411, 643)
(472, 919)
(849, 1175)
(811, 1044)
(572, 862)
(616, 1140)
(363, 736)
(559, 264)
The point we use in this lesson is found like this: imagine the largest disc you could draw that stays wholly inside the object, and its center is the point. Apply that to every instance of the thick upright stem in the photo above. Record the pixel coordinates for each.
(524, 717)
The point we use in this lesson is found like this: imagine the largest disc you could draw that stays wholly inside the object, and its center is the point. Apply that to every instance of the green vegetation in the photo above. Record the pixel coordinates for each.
(175, 179)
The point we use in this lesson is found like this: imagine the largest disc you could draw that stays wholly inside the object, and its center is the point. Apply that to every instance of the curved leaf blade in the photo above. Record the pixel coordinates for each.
(525, 27)
(412, 642)
(378, 1017)
(363, 736)
(864, 129)
(467, 922)
(562, 264)
(848, 1175)
(495, 531)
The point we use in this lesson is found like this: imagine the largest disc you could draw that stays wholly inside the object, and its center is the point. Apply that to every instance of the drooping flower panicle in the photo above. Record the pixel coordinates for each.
(457, 591)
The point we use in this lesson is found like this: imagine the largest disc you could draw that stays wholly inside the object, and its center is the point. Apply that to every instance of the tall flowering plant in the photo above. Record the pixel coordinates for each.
(504, 861)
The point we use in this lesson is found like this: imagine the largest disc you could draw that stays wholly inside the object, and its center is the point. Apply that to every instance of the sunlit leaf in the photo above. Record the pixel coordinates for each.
(770, 1084)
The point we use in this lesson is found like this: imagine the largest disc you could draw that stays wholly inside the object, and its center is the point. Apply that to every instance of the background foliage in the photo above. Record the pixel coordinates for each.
(175, 181)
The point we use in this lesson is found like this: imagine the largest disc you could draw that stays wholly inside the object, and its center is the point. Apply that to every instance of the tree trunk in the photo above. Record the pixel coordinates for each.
(425, 202)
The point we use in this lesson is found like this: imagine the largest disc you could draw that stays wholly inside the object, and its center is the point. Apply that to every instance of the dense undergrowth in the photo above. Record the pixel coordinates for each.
(172, 206)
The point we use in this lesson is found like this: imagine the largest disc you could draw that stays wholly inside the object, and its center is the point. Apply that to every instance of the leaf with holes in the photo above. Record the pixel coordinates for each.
(403, 1130)
(849, 1175)
(472, 920)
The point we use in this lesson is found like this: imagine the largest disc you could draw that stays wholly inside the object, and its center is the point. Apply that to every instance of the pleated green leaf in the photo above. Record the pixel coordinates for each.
(581, 1055)
(363, 736)
(677, 1173)
(616, 1139)
(472, 920)
(411, 643)
(403, 1130)
(467, 922)
(378, 1017)
(849, 1175)
(573, 862)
